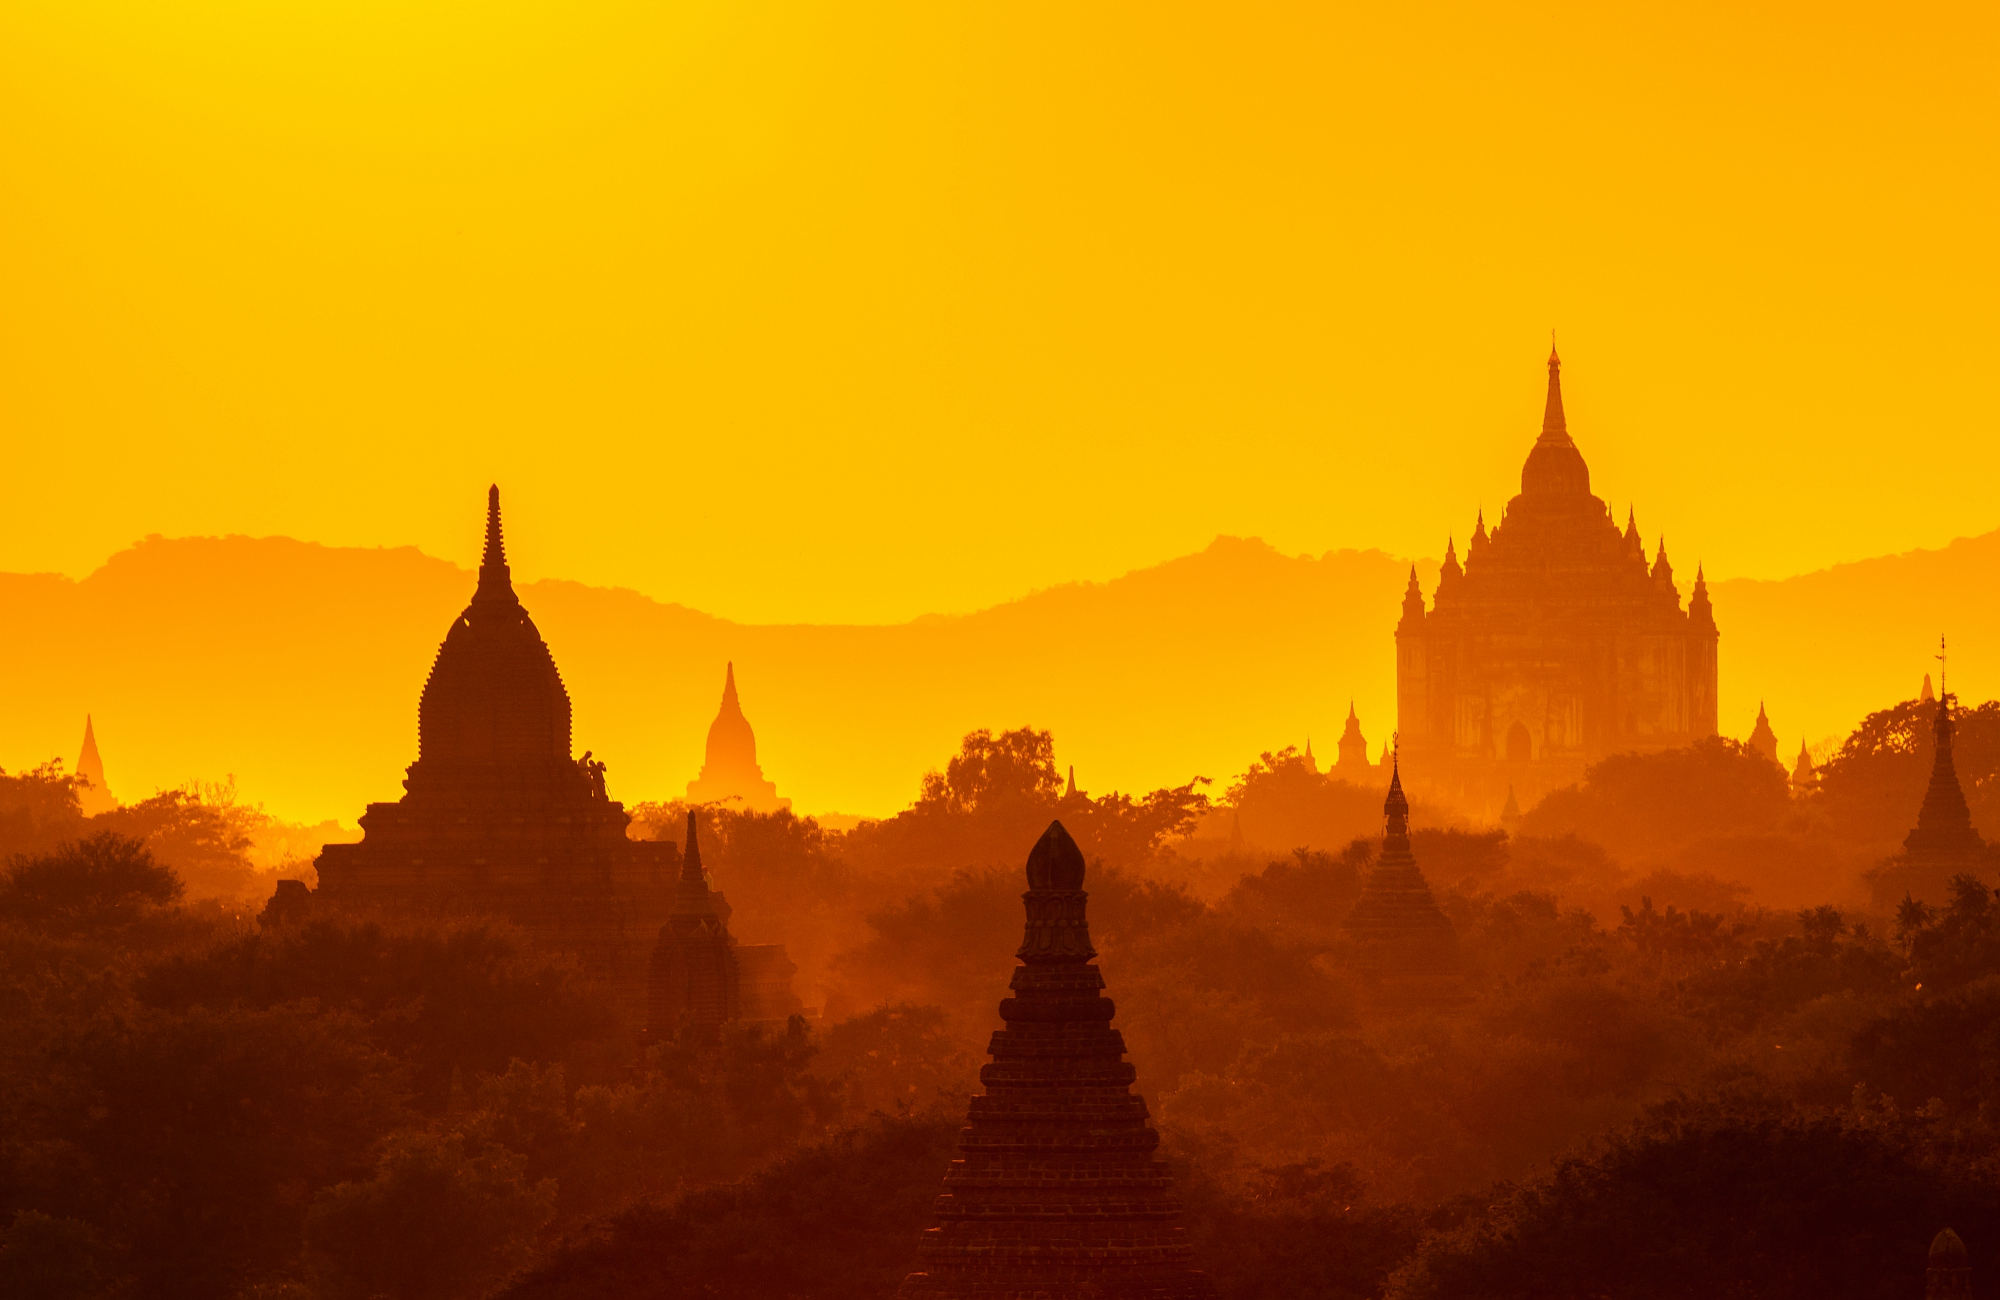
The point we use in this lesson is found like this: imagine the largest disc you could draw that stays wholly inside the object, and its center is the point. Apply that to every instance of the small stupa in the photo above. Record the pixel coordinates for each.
(1763, 740)
(1943, 839)
(1058, 1192)
(1948, 1275)
(695, 983)
(93, 792)
(1802, 771)
(1401, 940)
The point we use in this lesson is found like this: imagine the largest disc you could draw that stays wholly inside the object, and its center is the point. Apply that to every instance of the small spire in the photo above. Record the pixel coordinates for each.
(1071, 792)
(496, 580)
(729, 700)
(691, 872)
(1555, 428)
(1396, 807)
(1352, 716)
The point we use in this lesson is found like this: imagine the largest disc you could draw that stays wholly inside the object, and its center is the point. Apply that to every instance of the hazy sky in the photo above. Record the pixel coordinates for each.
(795, 311)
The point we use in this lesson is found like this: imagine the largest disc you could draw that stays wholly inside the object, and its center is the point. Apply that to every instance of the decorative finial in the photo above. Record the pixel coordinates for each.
(1939, 656)
(495, 579)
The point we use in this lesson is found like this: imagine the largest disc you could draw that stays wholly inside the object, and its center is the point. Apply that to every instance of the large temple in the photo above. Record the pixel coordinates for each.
(729, 771)
(1554, 645)
(1057, 1192)
(496, 817)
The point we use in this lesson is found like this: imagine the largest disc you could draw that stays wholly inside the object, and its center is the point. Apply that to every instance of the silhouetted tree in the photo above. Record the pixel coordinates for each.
(101, 881)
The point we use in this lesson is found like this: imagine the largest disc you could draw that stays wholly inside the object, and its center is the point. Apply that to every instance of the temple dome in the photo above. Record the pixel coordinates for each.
(1555, 468)
(732, 746)
(494, 695)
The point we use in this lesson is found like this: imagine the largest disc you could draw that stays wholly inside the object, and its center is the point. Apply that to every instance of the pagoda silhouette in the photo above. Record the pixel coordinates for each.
(1554, 645)
(1399, 940)
(1057, 1192)
(729, 770)
(496, 817)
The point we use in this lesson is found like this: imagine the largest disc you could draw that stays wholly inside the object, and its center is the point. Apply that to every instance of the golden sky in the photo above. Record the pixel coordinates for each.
(850, 311)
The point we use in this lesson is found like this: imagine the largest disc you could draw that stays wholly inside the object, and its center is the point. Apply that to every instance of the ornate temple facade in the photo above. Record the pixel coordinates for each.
(1057, 1192)
(496, 817)
(1554, 645)
(729, 771)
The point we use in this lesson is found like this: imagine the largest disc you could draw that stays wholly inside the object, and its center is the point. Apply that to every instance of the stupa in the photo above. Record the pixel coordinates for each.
(1943, 842)
(1763, 740)
(93, 792)
(1057, 1192)
(729, 771)
(695, 982)
(1351, 762)
(496, 817)
(1400, 940)
(1948, 1272)
(1802, 771)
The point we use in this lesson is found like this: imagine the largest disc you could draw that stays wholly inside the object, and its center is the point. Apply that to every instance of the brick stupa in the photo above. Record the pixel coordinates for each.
(1057, 1192)
(1400, 940)
(497, 818)
(696, 983)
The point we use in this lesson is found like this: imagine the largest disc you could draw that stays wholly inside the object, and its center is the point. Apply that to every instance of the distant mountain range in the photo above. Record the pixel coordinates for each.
(297, 667)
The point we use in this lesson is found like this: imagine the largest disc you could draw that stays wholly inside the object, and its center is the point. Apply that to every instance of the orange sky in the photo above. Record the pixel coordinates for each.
(800, 311)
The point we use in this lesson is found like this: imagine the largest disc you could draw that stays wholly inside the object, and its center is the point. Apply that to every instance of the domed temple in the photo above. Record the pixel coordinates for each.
(1554, 645)
(496, 817)
(729, 771)
(1057, 1193)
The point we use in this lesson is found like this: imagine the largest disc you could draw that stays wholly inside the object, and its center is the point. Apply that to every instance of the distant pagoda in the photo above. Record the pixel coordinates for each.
(1400, 939)
(729, 771)
(1352, 762)
(497, 818)
(1943, 842)
(1057, 1193)
(93, 792)
(1948, 1271)
(695, 981)
(1763, 740)
(1802, 771)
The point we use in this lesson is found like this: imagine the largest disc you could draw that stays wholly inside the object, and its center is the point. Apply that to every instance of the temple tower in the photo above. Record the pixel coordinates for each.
(1555, 643)
(1400, 939)
(1802, 771)
(1943, 839)
(1948, 1275)
(93, 792)
(695, 983)
(1763, 740)
(1057, 1192)
(1352, 763)
(496, 817)
(729, 771)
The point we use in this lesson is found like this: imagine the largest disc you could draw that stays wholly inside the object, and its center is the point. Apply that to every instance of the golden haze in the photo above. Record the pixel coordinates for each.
(843, 314)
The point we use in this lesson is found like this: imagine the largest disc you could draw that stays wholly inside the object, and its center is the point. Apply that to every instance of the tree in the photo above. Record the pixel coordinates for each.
(101, 881)
(1641, 807)
(443, 1217)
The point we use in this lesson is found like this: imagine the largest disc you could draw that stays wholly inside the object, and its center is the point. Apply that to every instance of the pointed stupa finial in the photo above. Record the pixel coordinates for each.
(1352, 716)
(729, 700)
(1396, 807)
(1555, 427)
(1070, 793)
(495, 578)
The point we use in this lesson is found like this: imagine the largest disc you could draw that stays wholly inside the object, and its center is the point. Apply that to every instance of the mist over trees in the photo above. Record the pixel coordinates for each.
(1695, 1052)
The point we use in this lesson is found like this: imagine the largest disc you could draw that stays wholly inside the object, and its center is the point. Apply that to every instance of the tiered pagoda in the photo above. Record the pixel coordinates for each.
(1554, 645)
(1943, 842)
(496, 817)
(729, 770)
(1057, 1192)
(1399, 940)
(696, 984)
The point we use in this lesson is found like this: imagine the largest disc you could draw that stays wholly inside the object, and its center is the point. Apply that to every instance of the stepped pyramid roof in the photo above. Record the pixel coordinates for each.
(1057, 1192)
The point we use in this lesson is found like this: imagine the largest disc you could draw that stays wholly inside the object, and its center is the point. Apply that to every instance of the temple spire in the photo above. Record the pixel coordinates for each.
(691, 872)
(495, 579)
(1555, 428)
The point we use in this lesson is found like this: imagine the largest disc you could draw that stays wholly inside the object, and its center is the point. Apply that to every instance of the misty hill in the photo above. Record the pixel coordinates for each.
(297, 666)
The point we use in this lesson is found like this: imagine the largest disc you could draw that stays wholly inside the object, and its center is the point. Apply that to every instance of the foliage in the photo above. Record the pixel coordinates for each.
(101, 881)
